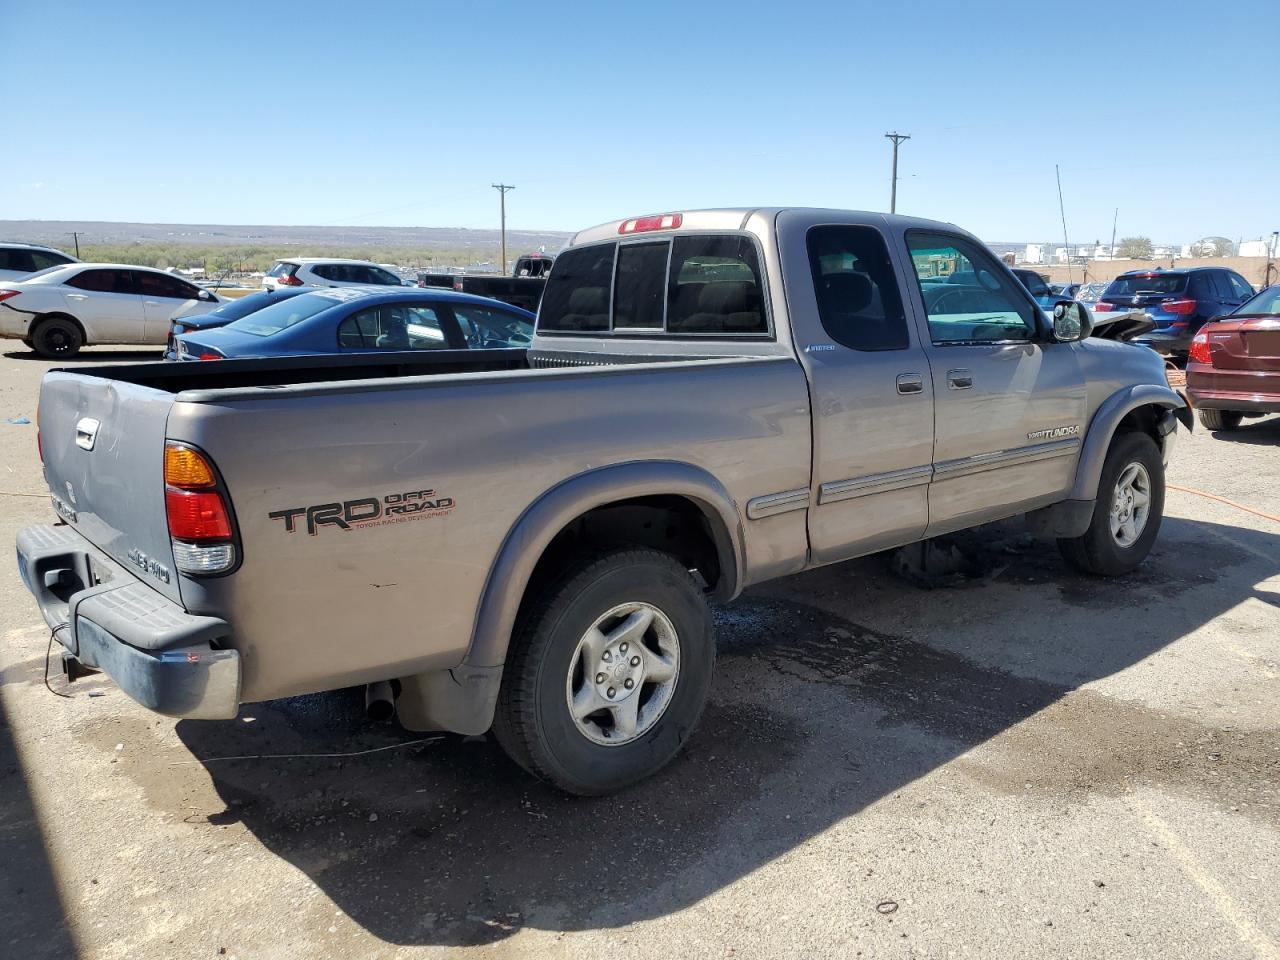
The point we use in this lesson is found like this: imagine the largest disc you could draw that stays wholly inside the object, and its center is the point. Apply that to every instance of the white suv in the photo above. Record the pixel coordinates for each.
(57, 311)
(19, 259)
(328, 272)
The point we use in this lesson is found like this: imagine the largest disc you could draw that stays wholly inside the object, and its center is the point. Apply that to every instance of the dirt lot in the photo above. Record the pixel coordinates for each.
(1026, 763)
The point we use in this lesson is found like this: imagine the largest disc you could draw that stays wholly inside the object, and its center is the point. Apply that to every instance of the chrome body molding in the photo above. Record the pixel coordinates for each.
(772, 504)
(964, 466)
(838, 490)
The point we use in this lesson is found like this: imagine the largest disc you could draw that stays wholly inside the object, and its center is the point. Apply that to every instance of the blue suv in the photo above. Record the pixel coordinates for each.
(1180, 301)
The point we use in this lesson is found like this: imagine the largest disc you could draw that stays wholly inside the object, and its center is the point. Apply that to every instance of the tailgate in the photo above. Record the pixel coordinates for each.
(103, 447)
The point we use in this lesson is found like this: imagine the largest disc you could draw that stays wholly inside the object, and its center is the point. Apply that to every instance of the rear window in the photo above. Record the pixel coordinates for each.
(282, 315)
(706, 285)
(282, 268)
(235, 309)
(1147, 283)
(1267, 302)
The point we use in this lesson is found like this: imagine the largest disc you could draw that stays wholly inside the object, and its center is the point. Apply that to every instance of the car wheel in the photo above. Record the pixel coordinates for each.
(608, 673)
(57, 338)
(1127, 513)
(1220, 419)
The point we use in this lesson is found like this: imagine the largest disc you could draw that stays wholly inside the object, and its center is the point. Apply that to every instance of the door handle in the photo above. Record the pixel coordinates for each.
(77, 296)
(910, 383)
(959, 379)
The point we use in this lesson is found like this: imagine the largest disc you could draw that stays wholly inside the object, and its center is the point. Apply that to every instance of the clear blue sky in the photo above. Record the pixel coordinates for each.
(403, 114)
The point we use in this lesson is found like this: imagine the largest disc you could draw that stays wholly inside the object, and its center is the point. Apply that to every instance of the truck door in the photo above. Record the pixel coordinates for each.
(1009, 403)
(871, 393)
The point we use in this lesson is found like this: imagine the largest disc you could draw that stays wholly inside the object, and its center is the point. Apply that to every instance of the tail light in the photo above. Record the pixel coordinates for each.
(200, 526)
(211, 356)
(8, 294)
(288, 280)
(1181, 306)
(1200, 352)
(1103, 307)
(457, 284)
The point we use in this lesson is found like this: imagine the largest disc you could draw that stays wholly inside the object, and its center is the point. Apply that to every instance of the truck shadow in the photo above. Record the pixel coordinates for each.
(33, 922)
(814, 716)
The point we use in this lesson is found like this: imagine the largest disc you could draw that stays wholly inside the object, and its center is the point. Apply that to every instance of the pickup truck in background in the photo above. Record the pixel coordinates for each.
(526, 540)
(522, 289)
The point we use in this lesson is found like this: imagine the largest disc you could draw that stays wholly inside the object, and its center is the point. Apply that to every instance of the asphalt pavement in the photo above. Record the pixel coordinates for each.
(1015, 762)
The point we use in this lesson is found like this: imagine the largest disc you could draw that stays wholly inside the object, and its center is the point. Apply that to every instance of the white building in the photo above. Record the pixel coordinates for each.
(1034, 254)
(1258, 248)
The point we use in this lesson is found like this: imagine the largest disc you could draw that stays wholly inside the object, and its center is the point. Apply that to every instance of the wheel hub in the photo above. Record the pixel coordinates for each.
(1130, 504)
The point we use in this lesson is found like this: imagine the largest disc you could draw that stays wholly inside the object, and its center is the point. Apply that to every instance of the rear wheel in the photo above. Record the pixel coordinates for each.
(608, 673)
(1127, 513)
(1220, 419)
(57, 338)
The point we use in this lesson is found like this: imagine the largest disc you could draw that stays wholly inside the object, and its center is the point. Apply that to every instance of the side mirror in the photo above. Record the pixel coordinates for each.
(1071, 321)
(206, 296)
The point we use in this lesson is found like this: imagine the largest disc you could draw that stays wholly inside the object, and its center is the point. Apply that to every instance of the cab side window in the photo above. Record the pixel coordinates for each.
(858, 299)
(968, 297)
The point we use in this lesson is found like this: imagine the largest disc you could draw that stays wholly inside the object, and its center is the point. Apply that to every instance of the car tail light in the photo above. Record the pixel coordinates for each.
(288, 280)
(662, 221)
(1103, 307)
(200, 526)
(457, 284)
(8, 294)
(1181, 305)
(1199, 352)
(211, 356)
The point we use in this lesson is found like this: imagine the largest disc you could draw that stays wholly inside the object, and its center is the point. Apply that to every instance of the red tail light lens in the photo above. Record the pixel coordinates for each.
(1103, 307)
(663, 221)
(8, 294)
(196, 515)
(1182, 306)
(211, 356)
(288, 280)
(1200, 352)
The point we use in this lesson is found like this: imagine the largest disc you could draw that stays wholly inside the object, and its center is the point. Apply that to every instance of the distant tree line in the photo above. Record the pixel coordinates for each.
(217, 259)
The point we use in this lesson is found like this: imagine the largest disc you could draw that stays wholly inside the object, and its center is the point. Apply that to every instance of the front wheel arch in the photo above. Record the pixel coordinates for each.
(1139, 407)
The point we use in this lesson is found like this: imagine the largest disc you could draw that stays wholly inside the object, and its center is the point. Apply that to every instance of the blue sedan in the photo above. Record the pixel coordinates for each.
(355, 319)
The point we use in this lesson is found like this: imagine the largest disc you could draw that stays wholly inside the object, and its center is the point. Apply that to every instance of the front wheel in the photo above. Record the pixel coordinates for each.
(1127, 514)
(1220, 419)
(608, 673)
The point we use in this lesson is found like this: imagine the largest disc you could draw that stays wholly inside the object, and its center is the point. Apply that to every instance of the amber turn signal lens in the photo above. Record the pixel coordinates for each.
(185, 468)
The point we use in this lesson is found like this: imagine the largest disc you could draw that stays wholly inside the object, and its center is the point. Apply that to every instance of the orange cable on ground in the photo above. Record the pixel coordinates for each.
(1230, 503)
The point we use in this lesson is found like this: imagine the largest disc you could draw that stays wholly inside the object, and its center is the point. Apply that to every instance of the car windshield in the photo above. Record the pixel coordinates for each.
(282, 315)
(1137, 284)
(1267, 302)
(235, 309)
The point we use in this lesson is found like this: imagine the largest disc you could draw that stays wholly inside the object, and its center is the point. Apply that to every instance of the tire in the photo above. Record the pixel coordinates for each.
(57, 338)
(1101, 551)
(550, 661)
(1222, 420)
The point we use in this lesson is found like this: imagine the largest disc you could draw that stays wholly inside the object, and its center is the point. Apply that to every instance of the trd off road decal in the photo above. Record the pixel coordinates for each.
(365, 511)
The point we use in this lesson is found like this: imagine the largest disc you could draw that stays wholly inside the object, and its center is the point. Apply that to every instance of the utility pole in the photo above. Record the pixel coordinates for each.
(897, 138)
(502, 189)
(76, 237)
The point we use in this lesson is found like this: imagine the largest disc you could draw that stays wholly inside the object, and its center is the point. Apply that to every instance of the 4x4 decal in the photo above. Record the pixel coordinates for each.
(365, 511)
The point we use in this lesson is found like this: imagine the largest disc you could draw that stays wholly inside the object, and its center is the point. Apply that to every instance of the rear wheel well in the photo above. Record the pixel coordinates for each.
(57, 315)
(672, 524)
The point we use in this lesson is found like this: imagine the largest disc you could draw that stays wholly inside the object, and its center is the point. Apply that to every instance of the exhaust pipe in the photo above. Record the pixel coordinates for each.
(380, 701)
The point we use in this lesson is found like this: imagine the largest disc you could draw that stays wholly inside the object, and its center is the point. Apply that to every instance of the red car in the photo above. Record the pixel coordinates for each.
(1233, 367)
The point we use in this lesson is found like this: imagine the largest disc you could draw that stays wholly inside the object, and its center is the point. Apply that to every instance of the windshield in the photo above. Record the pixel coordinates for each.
(1267, 302)
(1137, 284)
(235, 309)
(282, 315)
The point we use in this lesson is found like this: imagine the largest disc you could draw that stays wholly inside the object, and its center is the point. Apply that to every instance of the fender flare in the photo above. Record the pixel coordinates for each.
(1103, 427)
(559, 506)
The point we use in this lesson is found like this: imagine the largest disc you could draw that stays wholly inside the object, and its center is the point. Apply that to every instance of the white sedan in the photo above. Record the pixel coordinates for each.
(57, 311)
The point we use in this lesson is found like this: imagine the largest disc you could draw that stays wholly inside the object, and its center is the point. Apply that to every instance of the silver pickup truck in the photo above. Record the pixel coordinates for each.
(527, 540)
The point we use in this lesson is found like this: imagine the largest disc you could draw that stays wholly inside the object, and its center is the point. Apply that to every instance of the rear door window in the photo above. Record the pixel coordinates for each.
(43, 260)
(163, 287)
(393, 327)
(858, 298)
(715, 287)
(104, 281)
(484, 327)
(1241, 287)
(20, 260)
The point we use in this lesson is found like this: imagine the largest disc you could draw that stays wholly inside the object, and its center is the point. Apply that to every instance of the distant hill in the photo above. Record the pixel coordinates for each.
(57, 233)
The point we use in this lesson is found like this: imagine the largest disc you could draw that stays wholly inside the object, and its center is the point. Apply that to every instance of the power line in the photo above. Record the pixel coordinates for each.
(502, 189)
(897, 138)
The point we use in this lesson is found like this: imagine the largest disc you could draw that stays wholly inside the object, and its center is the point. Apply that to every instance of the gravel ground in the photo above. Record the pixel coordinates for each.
(1021, 763)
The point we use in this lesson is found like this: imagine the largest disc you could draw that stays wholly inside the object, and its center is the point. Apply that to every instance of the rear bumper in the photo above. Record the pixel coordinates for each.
(1230, 400)
(160, 655)
(1166, 342)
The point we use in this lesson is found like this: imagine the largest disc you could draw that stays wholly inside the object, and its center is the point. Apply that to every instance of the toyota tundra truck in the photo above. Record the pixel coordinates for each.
(528, 540)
